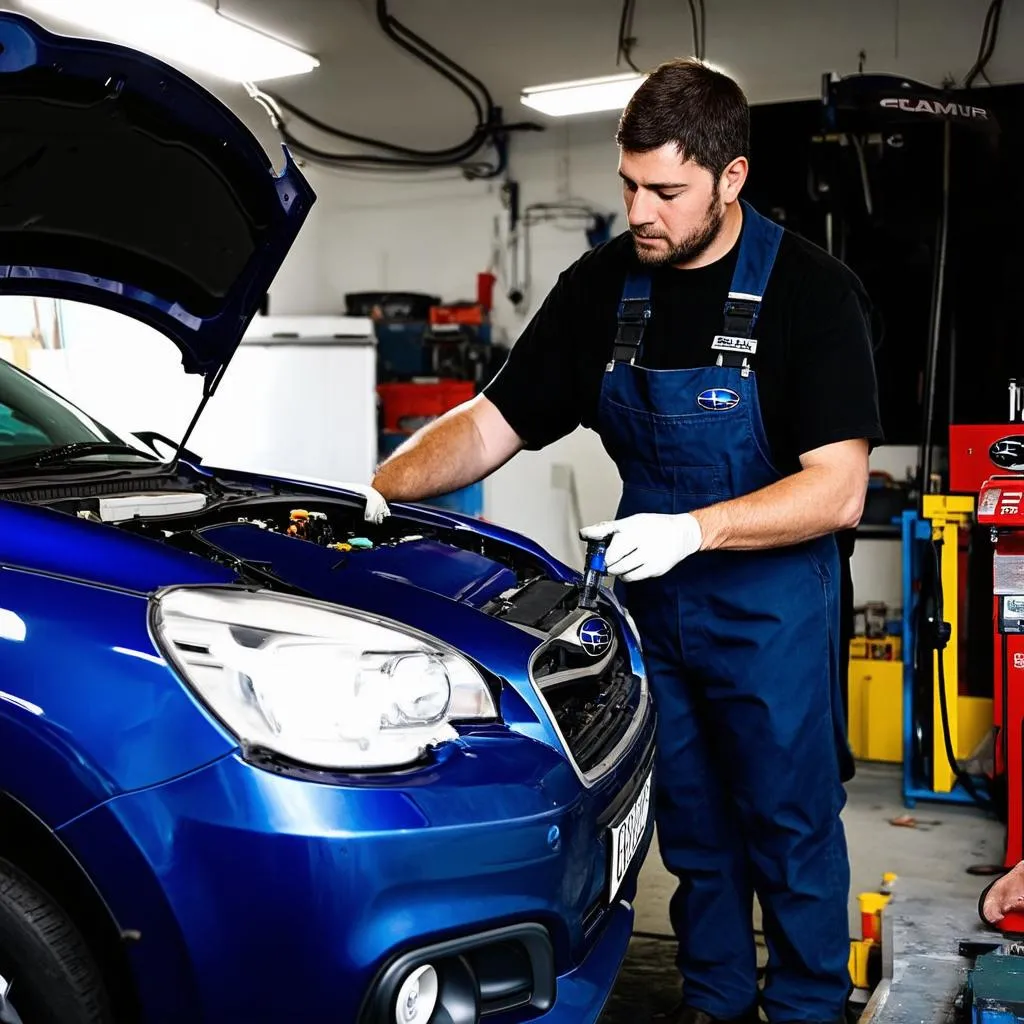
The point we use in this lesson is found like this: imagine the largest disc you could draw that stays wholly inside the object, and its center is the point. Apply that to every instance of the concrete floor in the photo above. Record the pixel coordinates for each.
(948, 841)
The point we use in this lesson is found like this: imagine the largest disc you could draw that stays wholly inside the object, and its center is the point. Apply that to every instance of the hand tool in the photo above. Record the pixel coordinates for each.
(593, 571)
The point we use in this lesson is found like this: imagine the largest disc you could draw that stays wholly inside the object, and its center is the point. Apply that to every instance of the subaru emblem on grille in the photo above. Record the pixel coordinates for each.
(595, 636)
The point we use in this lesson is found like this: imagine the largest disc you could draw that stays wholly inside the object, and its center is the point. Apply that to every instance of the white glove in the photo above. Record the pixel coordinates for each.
(648, 544)
(376, 507)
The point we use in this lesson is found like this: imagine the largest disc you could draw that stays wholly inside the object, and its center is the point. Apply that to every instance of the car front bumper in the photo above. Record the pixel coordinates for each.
(255, 895)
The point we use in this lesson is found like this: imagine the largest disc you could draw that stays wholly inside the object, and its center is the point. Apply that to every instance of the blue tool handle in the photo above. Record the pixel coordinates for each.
(596, 552)
(594, 568)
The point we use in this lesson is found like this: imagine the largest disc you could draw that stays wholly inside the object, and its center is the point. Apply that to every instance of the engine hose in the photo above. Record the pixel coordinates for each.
(940, 639)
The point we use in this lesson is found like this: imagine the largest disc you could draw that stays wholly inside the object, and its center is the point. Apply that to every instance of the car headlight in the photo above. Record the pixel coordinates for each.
(322, 686)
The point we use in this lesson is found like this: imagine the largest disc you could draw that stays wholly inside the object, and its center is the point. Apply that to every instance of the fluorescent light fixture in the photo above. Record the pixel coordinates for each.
(586, 96)
(184, 32)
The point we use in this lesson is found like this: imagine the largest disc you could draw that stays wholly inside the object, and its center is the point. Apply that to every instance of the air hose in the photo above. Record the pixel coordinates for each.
(941, 632)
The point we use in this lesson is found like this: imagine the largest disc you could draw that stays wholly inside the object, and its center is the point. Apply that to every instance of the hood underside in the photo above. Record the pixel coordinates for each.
(127, 185)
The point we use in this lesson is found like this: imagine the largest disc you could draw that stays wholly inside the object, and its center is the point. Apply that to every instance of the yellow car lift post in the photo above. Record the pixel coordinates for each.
(970, 718)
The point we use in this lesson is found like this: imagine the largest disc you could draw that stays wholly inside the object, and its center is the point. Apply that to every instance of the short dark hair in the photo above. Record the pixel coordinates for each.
(702, 111)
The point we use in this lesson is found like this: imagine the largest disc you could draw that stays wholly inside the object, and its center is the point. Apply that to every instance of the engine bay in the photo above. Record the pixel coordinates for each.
(331, 523)
(502, 580)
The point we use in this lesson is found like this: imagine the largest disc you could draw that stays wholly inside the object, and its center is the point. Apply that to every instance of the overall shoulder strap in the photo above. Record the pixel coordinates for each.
(634, 312)
(759, 246)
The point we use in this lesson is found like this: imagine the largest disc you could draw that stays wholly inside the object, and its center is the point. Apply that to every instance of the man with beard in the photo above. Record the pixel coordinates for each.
(726, 365)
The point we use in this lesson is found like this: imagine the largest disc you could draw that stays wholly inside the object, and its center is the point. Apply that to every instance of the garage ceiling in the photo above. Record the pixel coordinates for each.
(777, 48)
(369, 84)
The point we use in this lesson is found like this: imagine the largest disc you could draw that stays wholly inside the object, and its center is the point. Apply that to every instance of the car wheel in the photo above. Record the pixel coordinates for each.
(47, 974)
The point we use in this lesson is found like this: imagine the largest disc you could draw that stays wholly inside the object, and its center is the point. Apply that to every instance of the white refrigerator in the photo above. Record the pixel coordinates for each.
(298, 397)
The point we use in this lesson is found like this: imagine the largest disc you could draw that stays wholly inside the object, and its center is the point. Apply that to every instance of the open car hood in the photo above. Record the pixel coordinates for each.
(125, 184)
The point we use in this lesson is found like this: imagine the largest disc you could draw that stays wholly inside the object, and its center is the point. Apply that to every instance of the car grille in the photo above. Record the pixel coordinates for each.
(593, 704)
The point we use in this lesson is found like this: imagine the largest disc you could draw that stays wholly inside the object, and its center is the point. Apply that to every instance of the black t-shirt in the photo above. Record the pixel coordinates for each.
(813, 366)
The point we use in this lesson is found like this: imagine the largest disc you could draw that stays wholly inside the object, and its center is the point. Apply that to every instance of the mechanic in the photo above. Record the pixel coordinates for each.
(741, 430)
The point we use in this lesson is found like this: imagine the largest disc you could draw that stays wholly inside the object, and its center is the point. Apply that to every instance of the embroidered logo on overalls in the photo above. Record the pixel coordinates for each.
(718, 399)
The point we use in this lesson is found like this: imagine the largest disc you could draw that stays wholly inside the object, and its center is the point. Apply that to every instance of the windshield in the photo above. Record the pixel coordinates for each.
(34, 419)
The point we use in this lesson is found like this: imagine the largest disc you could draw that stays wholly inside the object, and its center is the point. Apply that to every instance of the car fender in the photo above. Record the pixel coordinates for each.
(88, 707)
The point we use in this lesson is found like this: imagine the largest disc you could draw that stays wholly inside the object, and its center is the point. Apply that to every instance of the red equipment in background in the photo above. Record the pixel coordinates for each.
(988, 460)
(408, 405)
(999, 506)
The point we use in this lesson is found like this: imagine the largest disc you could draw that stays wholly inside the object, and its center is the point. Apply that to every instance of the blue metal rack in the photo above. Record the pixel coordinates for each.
(915, 534)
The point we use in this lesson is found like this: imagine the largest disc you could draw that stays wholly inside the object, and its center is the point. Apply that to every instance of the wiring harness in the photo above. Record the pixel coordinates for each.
(490, 129)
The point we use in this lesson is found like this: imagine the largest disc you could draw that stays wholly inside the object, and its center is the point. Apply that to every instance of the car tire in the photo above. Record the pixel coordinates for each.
(43, 957)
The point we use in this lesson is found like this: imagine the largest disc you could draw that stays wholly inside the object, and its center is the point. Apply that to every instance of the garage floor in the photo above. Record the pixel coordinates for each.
(947, 841)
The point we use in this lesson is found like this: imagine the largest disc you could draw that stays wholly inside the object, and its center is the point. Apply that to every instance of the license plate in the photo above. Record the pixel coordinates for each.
(627, 836)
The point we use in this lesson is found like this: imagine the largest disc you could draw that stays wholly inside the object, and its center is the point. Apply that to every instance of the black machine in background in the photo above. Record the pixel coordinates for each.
(866, 183)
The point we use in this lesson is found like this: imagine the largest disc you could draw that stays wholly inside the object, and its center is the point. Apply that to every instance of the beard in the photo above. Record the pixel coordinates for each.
(687, 250)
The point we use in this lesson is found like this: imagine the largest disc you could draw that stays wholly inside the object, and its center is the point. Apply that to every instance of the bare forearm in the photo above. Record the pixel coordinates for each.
(456, 450)
(426, 466)
(811, 503)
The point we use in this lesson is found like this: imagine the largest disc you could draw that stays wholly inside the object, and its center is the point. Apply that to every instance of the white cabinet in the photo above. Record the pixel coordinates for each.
(299, 396)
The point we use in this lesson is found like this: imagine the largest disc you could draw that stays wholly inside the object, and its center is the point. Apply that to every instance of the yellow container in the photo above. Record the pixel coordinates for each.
(860, 963)
(875, 727)
(882, 648)
(872, 902)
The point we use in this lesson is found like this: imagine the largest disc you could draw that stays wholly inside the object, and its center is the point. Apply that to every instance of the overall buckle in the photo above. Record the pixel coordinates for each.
(633, 317)
(736, 342)
(741, 316)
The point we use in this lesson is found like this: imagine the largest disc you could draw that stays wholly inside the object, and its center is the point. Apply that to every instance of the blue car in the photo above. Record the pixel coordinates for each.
(263, 758)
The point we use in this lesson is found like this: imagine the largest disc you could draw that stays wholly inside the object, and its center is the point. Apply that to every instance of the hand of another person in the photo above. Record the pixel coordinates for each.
(1005, 895)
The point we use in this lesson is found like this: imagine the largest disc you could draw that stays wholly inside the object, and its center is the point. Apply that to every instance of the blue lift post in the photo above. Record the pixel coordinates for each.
(916, 533)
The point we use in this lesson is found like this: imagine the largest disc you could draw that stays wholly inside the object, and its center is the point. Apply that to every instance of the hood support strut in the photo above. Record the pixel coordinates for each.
(210, 382)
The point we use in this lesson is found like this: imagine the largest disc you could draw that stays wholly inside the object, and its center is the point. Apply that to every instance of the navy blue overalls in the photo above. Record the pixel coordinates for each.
(741, 649)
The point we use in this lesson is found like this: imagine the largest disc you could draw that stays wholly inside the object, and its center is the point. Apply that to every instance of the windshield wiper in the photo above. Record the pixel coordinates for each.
(80, 449)
(68, 453)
